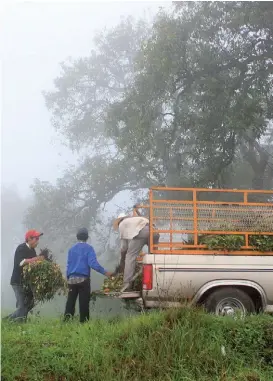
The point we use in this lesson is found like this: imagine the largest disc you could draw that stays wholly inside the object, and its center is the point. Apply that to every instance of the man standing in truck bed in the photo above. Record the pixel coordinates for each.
(134, 235)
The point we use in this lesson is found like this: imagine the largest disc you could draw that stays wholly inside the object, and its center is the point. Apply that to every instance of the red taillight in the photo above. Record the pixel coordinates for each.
(147, 277)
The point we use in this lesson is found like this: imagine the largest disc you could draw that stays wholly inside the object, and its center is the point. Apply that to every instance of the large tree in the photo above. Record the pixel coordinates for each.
(203, 95)
(184, 102)
(83, 94)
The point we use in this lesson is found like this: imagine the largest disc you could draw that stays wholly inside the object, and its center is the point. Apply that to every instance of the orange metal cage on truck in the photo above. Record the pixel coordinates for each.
(182, 216)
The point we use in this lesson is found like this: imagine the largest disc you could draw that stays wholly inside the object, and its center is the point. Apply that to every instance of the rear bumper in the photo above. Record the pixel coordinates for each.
(130, 295)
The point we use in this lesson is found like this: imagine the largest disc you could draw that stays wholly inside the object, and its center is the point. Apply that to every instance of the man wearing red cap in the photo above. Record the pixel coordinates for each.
(24, 254)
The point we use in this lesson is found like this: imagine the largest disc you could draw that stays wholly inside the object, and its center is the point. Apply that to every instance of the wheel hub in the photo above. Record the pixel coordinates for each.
(230, 307)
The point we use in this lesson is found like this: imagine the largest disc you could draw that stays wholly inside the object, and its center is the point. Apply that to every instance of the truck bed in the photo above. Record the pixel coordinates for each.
(184, 277)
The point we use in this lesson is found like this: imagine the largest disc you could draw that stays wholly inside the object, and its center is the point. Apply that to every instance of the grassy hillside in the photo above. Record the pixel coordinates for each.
(176, 345)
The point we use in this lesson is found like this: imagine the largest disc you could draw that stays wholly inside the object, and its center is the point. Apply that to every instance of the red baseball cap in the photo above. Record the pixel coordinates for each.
(32, 234)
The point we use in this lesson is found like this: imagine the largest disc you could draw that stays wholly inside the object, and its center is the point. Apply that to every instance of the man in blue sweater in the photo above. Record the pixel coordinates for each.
(81, 259)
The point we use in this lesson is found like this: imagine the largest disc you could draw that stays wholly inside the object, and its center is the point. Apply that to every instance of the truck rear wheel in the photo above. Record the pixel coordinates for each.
(229, 301)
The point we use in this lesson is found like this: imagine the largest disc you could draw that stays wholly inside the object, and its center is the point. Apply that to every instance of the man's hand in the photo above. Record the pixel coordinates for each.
(136, 206)
(109, 274)
(24, 262)
(40, 258)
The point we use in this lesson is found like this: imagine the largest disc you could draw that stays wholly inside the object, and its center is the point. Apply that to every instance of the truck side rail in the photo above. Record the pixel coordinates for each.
(185, 217)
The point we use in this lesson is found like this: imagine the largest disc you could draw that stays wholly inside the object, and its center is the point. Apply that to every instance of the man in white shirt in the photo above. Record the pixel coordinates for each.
(134, 235)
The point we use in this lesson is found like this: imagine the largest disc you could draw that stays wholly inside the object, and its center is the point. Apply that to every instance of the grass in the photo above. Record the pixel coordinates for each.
(176, 345)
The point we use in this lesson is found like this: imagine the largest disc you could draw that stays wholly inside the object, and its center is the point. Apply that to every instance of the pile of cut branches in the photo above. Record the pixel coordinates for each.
(44, 278)
(263, 243)
(224, 242)
(115, 283)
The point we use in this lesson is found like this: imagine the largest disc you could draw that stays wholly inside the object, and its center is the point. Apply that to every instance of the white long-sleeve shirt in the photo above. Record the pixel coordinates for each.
(131, 226)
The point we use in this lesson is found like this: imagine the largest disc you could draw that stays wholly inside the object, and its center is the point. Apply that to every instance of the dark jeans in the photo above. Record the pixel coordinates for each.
(82, 289)
(24, 303)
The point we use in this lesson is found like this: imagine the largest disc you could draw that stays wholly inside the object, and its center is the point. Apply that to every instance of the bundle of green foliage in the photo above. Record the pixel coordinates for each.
(44, 278)
(114, 284)
(263, 243)
(224, 242)
(259, 242)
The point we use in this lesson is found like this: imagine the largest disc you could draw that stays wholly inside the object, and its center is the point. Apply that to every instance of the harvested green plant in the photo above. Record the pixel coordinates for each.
(263, 243)
(224, 242)
(44, 278)
(115, 283)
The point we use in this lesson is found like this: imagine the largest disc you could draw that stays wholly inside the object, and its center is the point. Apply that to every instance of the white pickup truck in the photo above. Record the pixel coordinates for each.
(181, 268)
(223, 284)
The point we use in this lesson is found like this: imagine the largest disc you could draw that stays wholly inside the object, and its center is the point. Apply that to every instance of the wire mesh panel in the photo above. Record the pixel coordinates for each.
(187, 218)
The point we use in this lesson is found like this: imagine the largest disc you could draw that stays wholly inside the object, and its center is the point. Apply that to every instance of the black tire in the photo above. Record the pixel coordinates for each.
(225, 300)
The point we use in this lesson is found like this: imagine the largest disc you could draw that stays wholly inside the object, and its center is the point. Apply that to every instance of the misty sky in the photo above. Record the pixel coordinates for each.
(36, 37)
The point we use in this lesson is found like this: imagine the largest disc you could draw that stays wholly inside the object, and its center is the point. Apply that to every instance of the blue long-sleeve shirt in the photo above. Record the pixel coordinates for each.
(81, 258)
